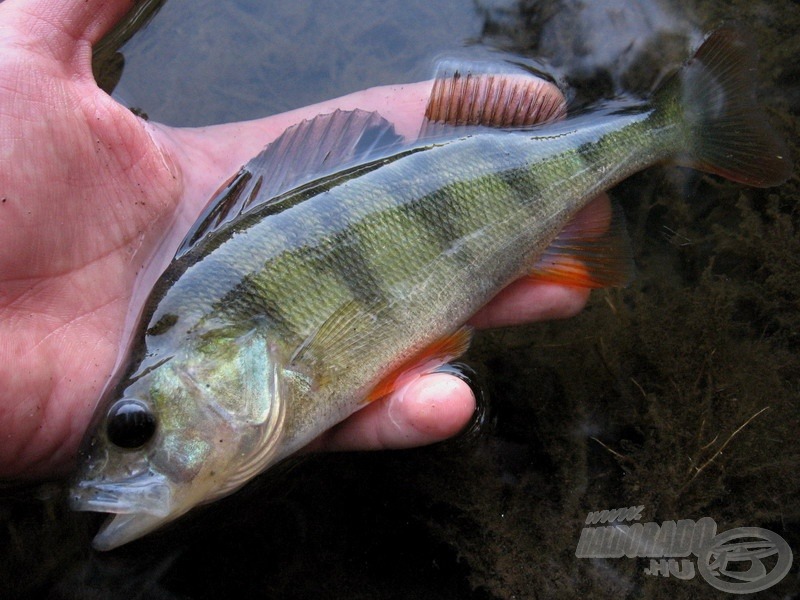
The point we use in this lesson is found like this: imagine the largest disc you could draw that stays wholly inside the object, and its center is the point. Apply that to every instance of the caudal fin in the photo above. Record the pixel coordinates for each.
(727, 132)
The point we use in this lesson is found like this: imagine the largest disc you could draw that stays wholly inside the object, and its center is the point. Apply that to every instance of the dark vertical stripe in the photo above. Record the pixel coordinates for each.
(346, 260)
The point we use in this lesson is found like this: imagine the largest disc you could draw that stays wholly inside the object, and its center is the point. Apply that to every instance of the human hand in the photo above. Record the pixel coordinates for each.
(88, 191)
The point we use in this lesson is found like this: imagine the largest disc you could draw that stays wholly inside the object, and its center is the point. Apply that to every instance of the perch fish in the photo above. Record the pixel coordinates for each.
(342, 257)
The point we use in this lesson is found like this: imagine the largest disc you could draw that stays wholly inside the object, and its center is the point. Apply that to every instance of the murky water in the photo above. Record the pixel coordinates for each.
(653, 397)
(195, 64)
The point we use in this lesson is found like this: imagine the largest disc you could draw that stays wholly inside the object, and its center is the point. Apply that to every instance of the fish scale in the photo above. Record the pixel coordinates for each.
(298, 298)
(499, 203)
(370, 240)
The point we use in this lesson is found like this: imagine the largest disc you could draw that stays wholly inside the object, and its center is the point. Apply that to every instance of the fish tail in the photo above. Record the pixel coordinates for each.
(725, 131)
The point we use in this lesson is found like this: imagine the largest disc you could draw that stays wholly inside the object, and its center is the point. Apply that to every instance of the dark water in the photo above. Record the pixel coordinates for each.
(227, 61)
(653, 397)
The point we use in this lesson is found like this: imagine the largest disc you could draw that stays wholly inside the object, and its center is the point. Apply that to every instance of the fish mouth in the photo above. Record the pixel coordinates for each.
(138, 505)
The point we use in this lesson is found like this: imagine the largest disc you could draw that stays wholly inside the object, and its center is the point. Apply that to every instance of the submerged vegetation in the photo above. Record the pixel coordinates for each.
(680, 393)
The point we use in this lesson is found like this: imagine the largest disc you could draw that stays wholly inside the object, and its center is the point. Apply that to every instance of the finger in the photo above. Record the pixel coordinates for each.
(431, 408)
(527, 301)
(63, 26)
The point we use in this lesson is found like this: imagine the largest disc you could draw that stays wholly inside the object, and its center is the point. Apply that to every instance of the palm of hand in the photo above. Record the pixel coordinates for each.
(83, 169)
(87, 192)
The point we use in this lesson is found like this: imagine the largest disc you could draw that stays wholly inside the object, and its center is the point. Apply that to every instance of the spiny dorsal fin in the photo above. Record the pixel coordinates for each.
(464, 94)
(319, 146)
(306, 152)
(481, 94)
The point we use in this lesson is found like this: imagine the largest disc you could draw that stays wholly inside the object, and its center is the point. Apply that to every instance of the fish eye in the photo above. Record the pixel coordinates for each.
(130, 424)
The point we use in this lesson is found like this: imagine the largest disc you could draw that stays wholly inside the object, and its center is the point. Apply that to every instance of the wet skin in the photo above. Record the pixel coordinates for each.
(88, 191)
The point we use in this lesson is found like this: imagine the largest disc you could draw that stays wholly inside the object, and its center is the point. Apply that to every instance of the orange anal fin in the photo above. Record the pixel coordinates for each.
(593, 250)
(425, 361)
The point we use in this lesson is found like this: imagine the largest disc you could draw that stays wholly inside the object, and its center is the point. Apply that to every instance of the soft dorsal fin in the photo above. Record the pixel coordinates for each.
(490, 95)
(306, 152)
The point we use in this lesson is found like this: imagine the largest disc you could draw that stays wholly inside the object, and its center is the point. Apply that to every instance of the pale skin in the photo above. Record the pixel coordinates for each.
(87, 191)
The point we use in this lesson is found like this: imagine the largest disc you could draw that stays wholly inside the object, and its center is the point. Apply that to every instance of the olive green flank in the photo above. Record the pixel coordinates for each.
(344, 262)
(371, 241)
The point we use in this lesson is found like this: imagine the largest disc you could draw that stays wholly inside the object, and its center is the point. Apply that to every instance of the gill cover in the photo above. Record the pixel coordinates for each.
(217, 425)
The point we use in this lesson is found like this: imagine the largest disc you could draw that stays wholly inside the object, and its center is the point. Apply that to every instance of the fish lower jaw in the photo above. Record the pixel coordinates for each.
(125, 521)
(136, 508)
(120, 529)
